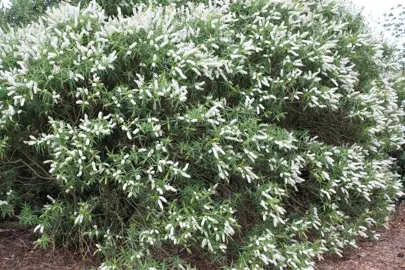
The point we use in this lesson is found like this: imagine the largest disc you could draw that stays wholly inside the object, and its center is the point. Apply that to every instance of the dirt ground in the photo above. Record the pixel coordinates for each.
(17, 253)
(386, 254)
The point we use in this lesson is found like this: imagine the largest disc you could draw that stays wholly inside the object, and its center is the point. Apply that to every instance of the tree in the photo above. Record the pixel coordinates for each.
(22, 12)
(394, 22)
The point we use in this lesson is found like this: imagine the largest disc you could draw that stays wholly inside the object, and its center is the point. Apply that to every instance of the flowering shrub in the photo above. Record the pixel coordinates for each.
(248, 133)
(393, 23)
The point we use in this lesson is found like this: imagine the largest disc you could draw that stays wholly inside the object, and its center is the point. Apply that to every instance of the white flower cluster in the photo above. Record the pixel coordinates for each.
(178, 124)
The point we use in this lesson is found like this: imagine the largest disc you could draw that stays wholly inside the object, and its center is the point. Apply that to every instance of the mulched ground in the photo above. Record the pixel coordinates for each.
(17, 252)
(386, 254)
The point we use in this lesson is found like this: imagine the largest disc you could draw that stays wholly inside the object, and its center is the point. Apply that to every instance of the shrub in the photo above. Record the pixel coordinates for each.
(22, 12)
(393, 23)
(248, 134)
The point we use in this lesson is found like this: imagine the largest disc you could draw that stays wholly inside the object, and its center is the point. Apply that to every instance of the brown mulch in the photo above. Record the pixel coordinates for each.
(17, 253)
(386, 254)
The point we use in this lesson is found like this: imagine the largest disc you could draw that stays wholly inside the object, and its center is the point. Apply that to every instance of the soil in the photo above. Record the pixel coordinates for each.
(386, 254)
(17, 252)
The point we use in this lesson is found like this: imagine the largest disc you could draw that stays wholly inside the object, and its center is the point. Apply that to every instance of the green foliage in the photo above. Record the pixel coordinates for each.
(24, 11)
(253, 134)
